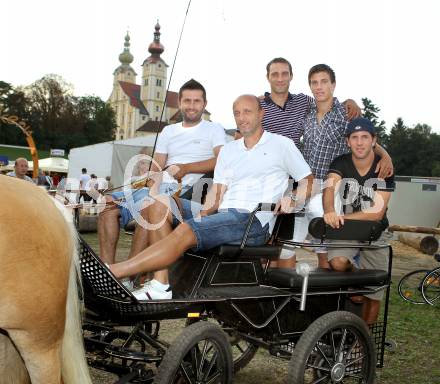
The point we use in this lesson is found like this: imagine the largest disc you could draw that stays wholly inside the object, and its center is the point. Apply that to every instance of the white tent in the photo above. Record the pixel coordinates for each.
(52, 164)
(107, 159)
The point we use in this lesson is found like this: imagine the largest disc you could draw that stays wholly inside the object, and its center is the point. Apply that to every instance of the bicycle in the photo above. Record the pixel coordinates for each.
(412, 285)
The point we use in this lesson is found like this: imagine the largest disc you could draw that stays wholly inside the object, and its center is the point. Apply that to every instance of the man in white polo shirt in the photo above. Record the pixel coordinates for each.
(249, 171)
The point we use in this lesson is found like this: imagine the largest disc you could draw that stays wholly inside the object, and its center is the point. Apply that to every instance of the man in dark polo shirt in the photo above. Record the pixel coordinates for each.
(354, 181)
(285, 114)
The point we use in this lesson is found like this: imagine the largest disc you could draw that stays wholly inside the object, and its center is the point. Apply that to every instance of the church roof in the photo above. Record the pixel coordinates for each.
(152, 126)
(172, 99)
(133, 91)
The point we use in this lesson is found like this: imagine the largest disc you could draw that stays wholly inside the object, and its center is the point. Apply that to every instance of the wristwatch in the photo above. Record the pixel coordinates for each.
(293, 197)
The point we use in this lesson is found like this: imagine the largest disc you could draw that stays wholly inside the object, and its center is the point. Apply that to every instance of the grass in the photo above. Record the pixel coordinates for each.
(14, 153)
(416, 331)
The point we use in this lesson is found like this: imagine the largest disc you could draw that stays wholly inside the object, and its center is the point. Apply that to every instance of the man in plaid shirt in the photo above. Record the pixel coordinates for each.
(324, 140)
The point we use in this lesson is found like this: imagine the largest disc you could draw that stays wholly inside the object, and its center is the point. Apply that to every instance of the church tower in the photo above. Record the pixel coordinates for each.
(125, 72)
(122, 98)
(154, 78)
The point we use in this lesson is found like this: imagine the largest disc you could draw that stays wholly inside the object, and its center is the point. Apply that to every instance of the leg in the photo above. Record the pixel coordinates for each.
(42, 360)
(341, 264)
(155, 214)
(108, 232)
(373, 259)
(139, 242)
(370, 310)
(287, 263)
(315, 209)
(323, 260)
(159, 255)
(140, 204)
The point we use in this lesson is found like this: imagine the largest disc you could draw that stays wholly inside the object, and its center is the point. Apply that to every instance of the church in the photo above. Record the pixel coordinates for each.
(138, 107)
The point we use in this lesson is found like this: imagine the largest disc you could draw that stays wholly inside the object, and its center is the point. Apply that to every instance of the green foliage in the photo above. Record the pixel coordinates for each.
(436, 168)
(58, 119)
(370, 112)
(415, 151)
(12, 102)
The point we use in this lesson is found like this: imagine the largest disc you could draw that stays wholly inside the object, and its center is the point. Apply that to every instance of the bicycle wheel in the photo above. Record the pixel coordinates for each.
(431, 287)
(410, 286)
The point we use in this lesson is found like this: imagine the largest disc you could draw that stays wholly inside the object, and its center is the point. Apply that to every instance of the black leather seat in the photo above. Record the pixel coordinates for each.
(361, 230)
(323, 278)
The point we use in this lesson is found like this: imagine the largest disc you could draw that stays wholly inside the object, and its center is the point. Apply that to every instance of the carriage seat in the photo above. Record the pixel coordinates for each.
(323, 278)
(360, 230)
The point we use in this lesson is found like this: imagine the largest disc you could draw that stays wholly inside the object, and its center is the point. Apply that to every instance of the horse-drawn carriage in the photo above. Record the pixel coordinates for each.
(234, 304)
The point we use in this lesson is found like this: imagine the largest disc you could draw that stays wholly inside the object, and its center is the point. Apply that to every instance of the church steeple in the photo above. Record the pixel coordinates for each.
(156, 48)
(125, 72)
(126, 57)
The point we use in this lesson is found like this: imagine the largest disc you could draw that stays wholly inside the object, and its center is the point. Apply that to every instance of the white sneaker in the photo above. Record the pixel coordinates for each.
(152, 290)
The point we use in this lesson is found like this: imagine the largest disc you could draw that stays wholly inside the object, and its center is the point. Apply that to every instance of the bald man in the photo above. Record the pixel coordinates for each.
(251, 170)
(20, 169)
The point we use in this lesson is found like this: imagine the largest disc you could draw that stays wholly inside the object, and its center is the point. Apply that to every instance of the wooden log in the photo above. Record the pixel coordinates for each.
(87, 222)
(410, 228)
(426, 244)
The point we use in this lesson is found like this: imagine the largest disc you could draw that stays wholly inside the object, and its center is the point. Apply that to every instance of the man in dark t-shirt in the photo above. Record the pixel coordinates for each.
(353, 179)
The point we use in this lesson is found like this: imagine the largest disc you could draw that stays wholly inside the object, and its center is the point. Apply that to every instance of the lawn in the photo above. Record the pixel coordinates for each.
(13, 153)
(416, 331)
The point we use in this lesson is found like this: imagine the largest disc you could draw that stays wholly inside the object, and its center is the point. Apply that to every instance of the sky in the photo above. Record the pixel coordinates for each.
(381, 49)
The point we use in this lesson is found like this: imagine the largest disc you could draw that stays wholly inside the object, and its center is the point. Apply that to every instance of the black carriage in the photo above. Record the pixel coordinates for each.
(235, 303)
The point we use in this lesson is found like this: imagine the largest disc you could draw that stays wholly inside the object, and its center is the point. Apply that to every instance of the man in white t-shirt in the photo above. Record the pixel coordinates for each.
(249, 171)
(84, 180)
(185, 152)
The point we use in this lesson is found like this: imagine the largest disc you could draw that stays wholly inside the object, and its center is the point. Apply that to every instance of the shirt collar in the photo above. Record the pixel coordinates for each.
(336, 105)
(263, 139)
(269, 100)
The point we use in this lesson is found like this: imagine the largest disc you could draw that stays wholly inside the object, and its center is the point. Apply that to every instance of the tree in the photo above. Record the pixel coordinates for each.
(370, 112)
(399, 144)
(52, 110)
(414, 150)
(12, 102)
(423, 141)
(436, 169)
(58, 119)
(98, 118)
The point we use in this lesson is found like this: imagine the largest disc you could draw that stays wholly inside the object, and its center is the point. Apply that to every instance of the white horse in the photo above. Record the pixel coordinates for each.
(39, 306)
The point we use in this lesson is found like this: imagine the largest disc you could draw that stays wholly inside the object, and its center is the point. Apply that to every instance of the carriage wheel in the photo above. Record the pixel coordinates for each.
(431, 287)
(201, 354)
(242, 350)
(336, 348)
(410, 286)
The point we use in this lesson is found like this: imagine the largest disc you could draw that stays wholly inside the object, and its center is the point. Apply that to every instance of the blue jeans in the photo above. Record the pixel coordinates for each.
(133, 200)
(223, 227)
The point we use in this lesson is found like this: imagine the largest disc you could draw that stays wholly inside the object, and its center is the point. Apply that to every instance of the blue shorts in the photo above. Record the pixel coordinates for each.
(223, 227)
(133, 200)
